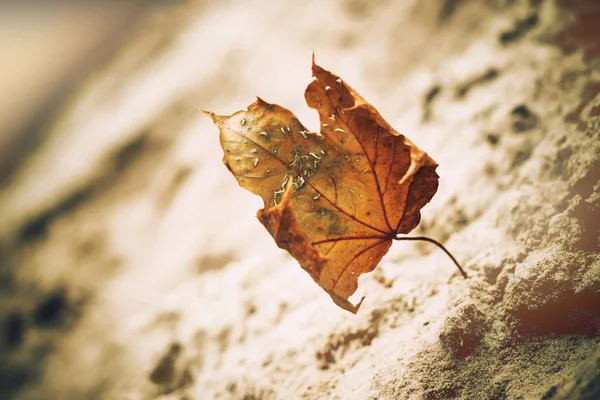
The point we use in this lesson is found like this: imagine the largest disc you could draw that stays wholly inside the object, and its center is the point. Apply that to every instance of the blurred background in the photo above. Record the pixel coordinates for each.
(131, 263)
(47, 48)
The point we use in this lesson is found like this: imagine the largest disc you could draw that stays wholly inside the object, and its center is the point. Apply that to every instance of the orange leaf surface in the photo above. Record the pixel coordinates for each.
(336, 199)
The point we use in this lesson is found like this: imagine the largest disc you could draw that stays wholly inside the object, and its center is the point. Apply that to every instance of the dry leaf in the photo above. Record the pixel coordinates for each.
(334, 200)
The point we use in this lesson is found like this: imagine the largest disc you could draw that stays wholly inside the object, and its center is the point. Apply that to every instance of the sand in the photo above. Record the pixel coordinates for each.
(133, 266)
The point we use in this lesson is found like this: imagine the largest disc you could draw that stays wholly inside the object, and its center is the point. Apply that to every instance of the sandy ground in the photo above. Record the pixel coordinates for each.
(132, 266)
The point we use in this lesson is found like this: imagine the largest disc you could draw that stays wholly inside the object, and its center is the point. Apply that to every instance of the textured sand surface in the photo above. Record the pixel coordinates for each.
(133, 267)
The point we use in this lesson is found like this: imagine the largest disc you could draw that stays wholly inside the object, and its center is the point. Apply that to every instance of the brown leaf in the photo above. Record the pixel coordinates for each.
(334, 200)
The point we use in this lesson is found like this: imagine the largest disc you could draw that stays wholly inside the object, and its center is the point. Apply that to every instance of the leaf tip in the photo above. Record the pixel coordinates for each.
(211, 114)
(263, 103)
(344, 303)
(314, 68)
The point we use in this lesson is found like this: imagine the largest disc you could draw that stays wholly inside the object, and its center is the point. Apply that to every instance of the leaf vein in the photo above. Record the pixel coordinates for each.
(383, 209)
(356, 257)
(352, 217)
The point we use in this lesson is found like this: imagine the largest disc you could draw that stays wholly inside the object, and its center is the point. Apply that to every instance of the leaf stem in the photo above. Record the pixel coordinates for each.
(438, 244)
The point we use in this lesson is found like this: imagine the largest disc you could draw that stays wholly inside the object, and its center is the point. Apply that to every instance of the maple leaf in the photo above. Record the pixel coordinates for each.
(335, 199)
